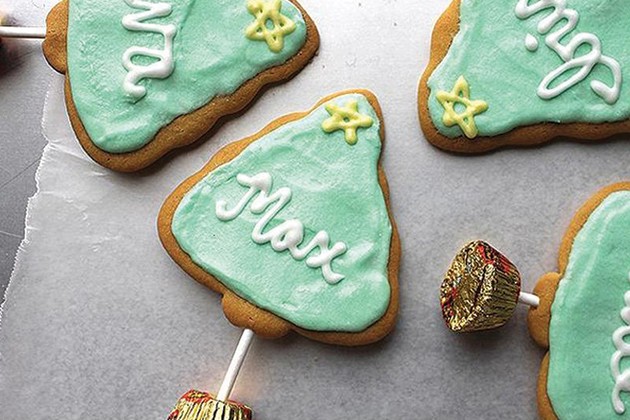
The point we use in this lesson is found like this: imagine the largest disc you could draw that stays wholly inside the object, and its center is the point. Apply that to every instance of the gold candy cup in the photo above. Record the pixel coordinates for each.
(197, 405)
(480, 290)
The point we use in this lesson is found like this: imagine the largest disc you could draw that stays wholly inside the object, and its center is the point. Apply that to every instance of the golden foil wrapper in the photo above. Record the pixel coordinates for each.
(480, 290)
(197, 405)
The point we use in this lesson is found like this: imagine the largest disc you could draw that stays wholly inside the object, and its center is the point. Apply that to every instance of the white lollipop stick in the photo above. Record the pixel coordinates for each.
(529, 299)
(22, 32)
(235, 365)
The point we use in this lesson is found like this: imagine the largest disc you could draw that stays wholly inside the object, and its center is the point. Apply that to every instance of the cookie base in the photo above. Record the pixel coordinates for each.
(240, 312)
(185, 129)
(444, 32)
(538, 319)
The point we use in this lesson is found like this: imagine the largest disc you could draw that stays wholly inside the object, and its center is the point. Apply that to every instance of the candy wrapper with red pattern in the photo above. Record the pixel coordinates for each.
(197, 405)
(480, 290)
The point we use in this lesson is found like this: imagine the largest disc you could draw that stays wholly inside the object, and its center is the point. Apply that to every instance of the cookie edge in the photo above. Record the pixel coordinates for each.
(187, 128)
(246, 315)
(538, 319)
(444, 32)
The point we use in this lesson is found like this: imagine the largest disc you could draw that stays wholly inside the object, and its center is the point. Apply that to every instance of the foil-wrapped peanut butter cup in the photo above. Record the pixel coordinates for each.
(480, 290)
(197, 405)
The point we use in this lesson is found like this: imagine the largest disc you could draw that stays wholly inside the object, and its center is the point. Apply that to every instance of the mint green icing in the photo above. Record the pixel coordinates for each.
(212, 58)
(489, 51)
(335, 189)
(586, 312)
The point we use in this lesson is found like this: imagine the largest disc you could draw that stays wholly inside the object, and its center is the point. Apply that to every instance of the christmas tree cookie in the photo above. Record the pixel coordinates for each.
(524, 72)
(292, 226)
(584, 315)
(146, 77)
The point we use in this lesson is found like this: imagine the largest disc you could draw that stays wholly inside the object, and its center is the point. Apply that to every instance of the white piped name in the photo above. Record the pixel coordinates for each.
(576, 68)
(289, 234)
(165, 65)
(622, 379)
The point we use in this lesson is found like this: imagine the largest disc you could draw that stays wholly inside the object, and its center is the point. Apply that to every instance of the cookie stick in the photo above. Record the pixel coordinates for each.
(26, 32)
(529, 299)
(198, 405)
(481, 289)
(236, 363)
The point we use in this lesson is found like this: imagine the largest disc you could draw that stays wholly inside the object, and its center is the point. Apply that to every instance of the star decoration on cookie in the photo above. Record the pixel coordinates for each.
(346, 118)
(270, 25)
(460, 95)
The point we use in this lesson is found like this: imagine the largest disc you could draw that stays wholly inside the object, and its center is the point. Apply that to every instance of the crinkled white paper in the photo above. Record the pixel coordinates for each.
(99, 323)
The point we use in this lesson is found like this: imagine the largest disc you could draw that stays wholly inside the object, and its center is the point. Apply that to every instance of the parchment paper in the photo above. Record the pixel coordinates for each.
(98, 322)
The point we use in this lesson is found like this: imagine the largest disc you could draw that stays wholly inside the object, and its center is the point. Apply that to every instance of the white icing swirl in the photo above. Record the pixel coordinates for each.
(584, 64)
(165, 65)
(289, 234)
(622, 379)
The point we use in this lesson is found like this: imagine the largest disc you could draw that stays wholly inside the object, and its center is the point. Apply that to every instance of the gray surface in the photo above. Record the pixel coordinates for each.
(24, 77)
(115, 338)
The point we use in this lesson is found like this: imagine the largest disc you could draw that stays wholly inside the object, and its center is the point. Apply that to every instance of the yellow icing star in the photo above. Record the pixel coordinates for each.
(346, 118)
(466, 119)
(270, 25)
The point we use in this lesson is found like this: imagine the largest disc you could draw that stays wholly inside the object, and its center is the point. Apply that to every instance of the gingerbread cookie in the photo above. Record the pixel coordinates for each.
(292, 226)
(523, 72)
(584, 314)
(144, 78)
